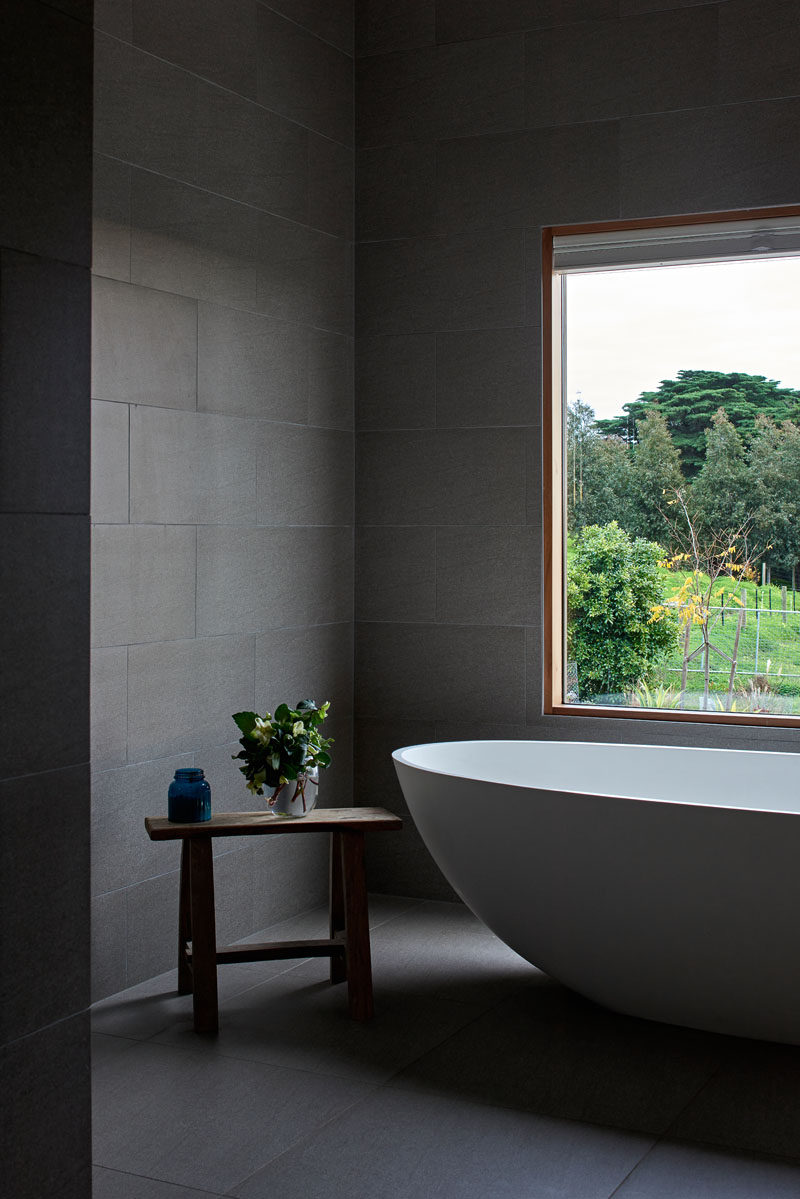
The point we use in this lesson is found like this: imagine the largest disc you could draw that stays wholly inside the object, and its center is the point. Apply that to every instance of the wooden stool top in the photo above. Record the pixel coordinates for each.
(244, 824)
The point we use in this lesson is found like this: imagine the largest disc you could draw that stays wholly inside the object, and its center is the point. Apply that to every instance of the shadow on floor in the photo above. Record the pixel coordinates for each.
(478, 1076)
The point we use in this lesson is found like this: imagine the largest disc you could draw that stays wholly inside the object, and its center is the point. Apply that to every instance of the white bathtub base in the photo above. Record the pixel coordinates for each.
(685, 912)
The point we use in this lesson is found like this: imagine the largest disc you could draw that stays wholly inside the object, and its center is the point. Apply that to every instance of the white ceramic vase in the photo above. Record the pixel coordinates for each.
(297, 797)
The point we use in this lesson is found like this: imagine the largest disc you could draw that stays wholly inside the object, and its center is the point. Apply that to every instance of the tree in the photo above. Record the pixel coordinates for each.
(580, 434)
(656, 473)
(774, 484)
(721, 496)
(616, 634)
(689, 402)
(607, 484)
(708, 556)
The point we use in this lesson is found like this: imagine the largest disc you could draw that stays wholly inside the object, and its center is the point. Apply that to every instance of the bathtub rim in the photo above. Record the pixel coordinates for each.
(398, 757)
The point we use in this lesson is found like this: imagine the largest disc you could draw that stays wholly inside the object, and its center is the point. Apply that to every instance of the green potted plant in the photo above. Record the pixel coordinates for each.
(283, 753)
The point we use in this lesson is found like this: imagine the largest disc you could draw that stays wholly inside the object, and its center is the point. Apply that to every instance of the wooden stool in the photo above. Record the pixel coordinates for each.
(348, 944)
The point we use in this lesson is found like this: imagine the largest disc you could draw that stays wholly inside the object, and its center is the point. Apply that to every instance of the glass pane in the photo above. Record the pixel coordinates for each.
(682, 481)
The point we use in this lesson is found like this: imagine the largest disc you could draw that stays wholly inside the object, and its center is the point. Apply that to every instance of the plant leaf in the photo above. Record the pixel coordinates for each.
(246, 722)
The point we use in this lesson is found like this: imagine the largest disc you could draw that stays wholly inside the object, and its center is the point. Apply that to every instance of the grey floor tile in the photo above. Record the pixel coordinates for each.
(752, 1103)
(314, 923)
(397, 1146)
(154, 1007)
(107, 1048)
(191, 1117)
(112, 1184)
(298, 1020)
(441, 951)
(548, 1050)
(671, 1170)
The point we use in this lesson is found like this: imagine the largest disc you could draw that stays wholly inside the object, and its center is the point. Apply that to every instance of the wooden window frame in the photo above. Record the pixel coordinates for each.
(554, 498)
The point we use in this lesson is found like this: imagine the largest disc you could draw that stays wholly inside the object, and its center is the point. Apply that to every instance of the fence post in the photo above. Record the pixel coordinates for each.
(734, 658)
(758, 630)
(783, 603)
(685, 668)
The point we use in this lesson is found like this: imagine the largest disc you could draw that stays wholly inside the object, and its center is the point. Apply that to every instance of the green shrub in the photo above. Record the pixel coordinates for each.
(613, 587)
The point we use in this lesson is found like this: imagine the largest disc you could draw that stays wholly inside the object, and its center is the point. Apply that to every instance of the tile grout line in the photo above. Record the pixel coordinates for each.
(154, 1178)
(617, 1189)
(207, 191)
(231, 1192)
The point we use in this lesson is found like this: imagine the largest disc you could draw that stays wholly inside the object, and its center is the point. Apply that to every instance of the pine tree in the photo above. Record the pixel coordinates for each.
(721, 496)
(655, 477)
(775, 490)
(689, 402)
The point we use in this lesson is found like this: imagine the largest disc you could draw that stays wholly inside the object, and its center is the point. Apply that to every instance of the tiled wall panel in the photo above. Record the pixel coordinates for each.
(223, 434)
(45, 289)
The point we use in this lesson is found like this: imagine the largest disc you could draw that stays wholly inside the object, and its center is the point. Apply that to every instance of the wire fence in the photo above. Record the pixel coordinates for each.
(768, 644)
(753, 661)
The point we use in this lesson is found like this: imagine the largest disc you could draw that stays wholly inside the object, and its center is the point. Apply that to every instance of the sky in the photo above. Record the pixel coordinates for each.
(629, 329)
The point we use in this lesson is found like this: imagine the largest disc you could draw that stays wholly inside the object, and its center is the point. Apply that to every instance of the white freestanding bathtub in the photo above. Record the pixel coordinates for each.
(661, 882)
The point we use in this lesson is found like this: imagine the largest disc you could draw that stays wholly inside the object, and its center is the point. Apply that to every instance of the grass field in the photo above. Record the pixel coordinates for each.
(768, 661)
(767, 675)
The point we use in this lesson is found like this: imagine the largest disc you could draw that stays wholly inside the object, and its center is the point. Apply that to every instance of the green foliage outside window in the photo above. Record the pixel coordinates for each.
(689, 402)
(616, 637)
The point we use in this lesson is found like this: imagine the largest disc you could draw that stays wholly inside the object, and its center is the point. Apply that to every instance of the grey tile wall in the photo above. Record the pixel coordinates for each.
(479, 122)
(590, 71)
(44, 380)
(223, 435)
(441, 476)
(303, 77)
(395, 381)
(110, 438)
(441, 91)
(144, 346)
(215, 39)
(333, 23)
(394, 26)
(424, 285)
(273, 577)
(111, 218)
(143, 580)
(733, 156)
(42, 888)
(109, 712)
(43, 644)
(191, 468)
(466, 20)
(46, 92)
(45, 242)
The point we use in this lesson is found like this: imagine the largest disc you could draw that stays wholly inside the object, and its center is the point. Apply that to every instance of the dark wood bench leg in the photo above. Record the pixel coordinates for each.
(204, 935)
(336, 909)
(184, 925)
(359, 965)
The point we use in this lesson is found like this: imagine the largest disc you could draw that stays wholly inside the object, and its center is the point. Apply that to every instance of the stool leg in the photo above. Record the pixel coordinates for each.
(336, 909)
(184, 925)
(359, 965)
(204, 935)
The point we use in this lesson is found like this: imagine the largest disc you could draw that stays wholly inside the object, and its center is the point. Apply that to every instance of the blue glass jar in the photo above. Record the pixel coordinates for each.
(189, 797)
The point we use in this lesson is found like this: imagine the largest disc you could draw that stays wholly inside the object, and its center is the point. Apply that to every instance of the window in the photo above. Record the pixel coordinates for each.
(672, 468)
